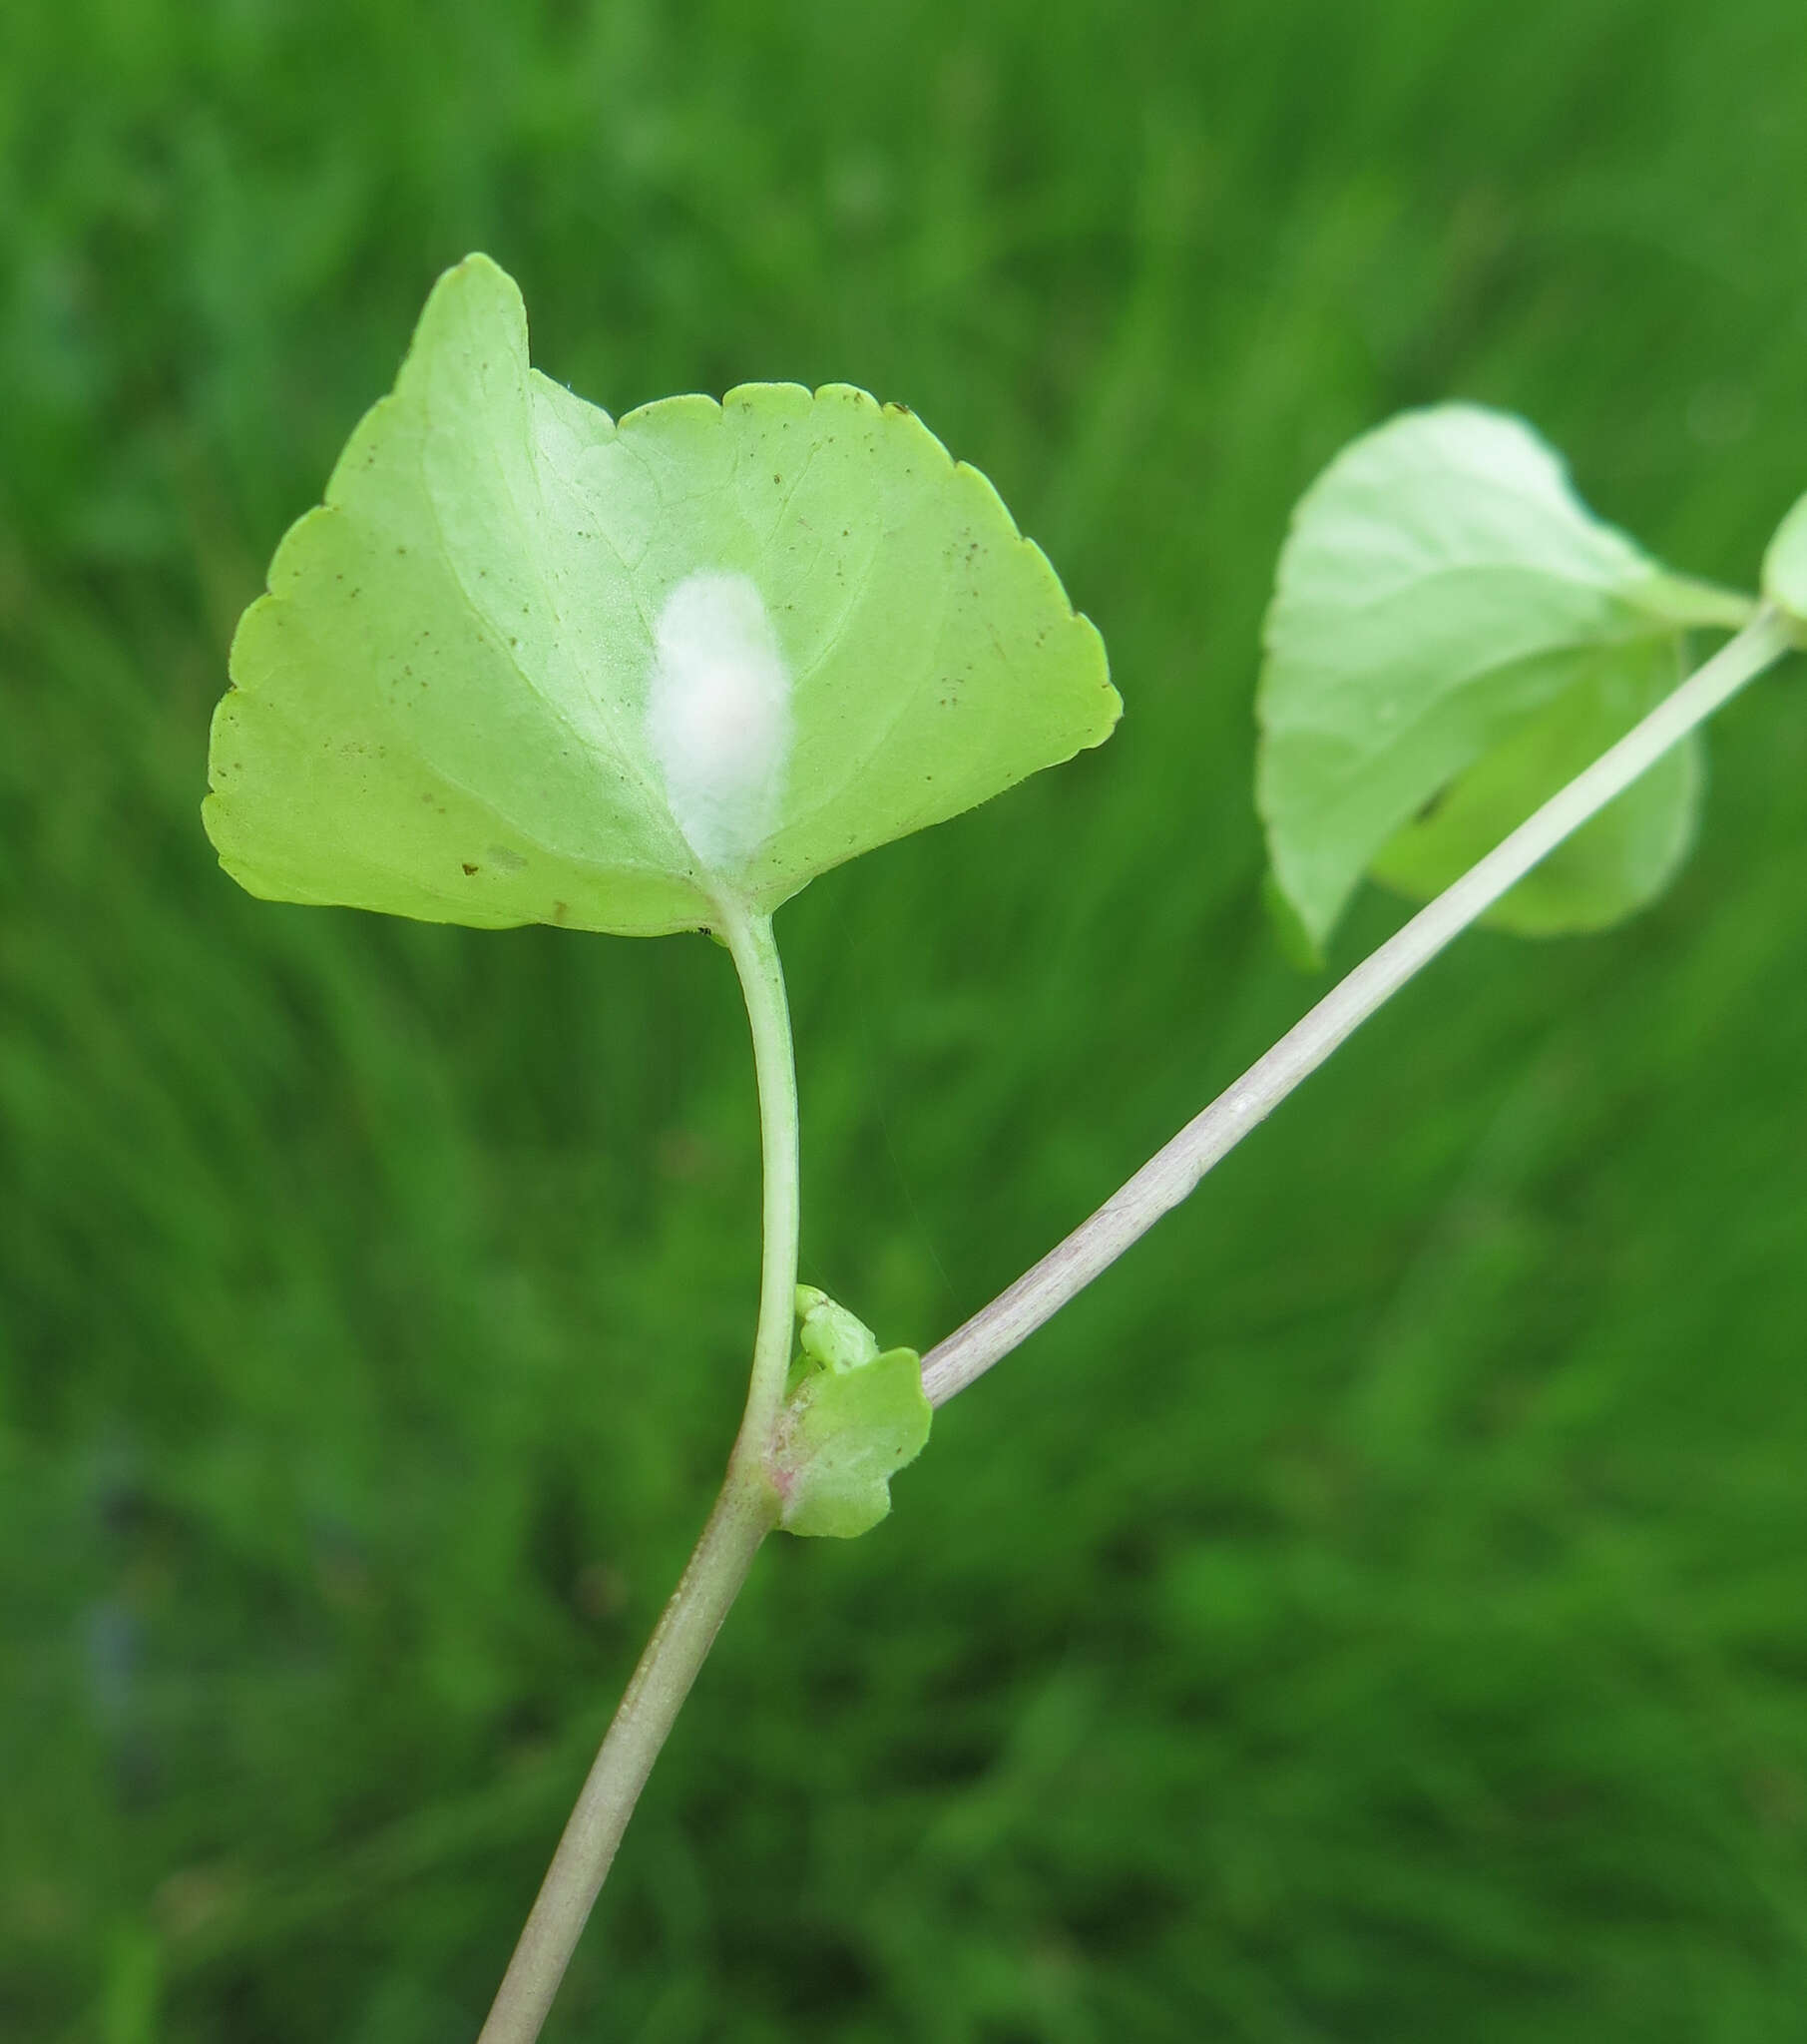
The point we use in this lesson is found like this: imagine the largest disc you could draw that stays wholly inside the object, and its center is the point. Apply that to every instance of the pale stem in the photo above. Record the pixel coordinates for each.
(745, 1511)
(680, 1644)
(1173, 1172)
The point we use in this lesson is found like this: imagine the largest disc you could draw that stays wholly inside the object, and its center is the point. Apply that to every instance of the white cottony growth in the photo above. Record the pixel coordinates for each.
(719, 715)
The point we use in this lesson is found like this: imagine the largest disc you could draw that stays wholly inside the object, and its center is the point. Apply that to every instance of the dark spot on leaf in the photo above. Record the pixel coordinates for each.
(469, 868)
(1430, 807)
(560, 910)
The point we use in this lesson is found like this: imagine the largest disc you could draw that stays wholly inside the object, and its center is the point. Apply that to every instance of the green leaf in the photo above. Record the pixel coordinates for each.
(528, 665)
(1451, 631)
(1785, 569)
(842, 1437)
(829, 1336)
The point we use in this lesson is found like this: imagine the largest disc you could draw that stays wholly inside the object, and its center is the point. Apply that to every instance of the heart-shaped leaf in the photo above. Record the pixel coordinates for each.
(529, 664)
(1453, 635)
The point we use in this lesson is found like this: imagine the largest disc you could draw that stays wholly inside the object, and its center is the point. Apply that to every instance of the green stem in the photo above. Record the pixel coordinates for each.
(755, 955)
(745, 1511)
(1173, 1173)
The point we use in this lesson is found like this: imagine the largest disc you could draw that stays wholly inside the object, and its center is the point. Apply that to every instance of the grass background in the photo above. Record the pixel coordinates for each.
(1377, 1611)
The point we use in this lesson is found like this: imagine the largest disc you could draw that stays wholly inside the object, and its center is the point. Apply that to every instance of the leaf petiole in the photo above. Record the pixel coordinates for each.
(755, 951)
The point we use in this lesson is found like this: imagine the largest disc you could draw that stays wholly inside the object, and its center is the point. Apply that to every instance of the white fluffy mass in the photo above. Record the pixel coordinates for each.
(719, 715)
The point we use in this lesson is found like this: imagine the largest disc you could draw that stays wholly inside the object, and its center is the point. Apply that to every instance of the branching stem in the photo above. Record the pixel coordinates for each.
(1173, 1172)
(745, 1511)
(748, 1507)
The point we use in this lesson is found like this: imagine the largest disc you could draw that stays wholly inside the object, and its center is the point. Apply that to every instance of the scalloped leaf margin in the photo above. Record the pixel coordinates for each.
(447, 706)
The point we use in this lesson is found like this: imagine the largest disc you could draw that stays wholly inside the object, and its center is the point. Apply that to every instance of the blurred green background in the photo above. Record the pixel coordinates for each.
(1379, 1609)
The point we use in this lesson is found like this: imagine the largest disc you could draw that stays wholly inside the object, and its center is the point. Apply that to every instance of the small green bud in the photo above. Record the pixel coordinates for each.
(830, 1335)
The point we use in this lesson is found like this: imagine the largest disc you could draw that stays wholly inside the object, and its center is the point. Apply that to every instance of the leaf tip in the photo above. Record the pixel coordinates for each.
(476, 295)
(1298, 945)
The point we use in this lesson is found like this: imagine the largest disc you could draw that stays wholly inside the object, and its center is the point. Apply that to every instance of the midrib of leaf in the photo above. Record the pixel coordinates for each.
(1361, 748)
(1408, 588)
